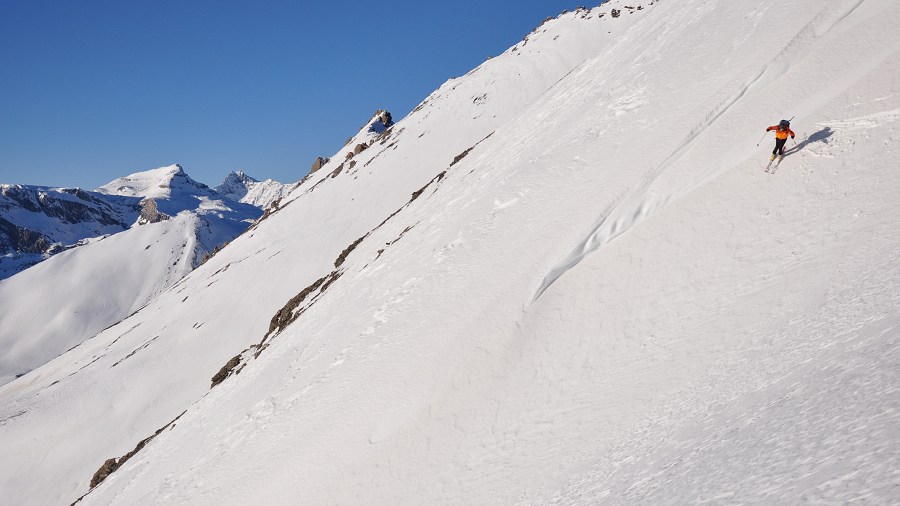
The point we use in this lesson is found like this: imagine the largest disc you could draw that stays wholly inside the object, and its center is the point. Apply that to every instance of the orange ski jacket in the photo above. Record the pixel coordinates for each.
(779, 133)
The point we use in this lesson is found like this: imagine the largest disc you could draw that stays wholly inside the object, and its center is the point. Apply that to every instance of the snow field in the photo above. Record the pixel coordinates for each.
(51, 312)
(606, 301)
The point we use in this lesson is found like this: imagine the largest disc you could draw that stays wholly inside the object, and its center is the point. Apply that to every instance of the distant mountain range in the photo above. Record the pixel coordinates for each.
(37, 222)
(76, 261)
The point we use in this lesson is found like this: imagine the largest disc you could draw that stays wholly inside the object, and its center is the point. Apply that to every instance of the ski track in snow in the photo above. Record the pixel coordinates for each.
(639, 203)
(636, 206)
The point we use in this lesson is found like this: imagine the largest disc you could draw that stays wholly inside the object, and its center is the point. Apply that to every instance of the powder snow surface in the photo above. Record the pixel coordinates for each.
(605, 301)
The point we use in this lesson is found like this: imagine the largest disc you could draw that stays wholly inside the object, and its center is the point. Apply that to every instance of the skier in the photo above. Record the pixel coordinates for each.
(782, 130)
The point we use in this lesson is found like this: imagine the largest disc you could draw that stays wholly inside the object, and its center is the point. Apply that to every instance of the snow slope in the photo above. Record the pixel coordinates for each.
(582, 288)
(56, 304)
(71, 296)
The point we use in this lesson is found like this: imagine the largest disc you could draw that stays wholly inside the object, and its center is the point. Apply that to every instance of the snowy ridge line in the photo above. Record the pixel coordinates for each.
(334, 166)
(282, 319)
(609, 49)
(326, 175)
(289, 313)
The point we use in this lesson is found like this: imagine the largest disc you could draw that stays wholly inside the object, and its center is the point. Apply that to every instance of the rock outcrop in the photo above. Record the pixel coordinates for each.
(20, 239)
(318, 164)
(236, 185)
(150, 213)
(381, 121)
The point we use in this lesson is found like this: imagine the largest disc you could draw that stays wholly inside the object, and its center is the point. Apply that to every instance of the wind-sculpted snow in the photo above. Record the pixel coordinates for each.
(732, 339)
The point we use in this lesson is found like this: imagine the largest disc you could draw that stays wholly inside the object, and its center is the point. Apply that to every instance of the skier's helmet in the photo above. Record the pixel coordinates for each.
(784, 124)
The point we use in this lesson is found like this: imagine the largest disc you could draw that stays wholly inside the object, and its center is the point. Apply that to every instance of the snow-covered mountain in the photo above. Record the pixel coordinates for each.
(243, 188)
(564, 278)
(58, 303)
(170, 183)
(37, 222)
(74, 294)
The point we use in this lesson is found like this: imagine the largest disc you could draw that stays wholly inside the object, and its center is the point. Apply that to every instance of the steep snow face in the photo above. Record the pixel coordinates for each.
(53, 306)
(588, 293)
(243, 188)
(47, 310)
(57, 304)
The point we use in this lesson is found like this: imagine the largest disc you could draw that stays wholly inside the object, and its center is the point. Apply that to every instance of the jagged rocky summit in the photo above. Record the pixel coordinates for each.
(241, 187)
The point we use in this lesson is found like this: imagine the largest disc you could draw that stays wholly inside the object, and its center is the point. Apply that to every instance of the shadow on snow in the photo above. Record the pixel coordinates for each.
(820, 136)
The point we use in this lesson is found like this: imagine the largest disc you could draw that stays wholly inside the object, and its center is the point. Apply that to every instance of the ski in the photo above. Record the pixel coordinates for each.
(772, 168)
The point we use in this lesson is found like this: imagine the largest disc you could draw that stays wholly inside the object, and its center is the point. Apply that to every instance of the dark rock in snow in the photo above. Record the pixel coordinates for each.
(20, 239)
(382, 120)
(225, 371)
(318, 163)
(150, 214)
(236, 185)
(105, 470)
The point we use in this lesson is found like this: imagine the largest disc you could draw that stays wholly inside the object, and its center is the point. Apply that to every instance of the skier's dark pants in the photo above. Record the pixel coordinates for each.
(779, 146)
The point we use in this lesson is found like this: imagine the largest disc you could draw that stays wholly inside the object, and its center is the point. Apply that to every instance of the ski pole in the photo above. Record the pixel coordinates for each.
(763, 138)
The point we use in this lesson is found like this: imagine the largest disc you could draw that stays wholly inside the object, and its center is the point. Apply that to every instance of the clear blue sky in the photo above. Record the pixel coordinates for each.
(93, 90)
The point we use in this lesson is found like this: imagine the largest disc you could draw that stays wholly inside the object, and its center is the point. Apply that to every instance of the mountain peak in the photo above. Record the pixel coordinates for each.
(235, 185)
(238, 176)
(240, 187)
(154, 183)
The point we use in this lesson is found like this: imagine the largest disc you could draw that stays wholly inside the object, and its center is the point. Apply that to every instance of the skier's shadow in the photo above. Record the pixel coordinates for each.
(820, 136)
